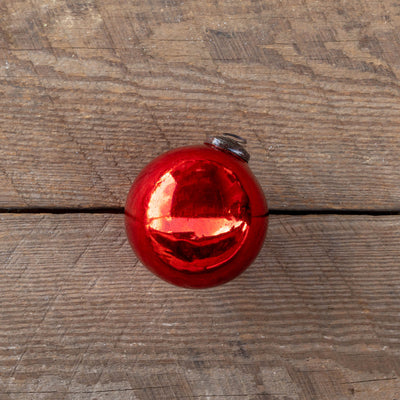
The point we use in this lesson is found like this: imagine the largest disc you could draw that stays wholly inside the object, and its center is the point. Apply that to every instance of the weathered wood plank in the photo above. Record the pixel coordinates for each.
(316, 317)
(92, 90)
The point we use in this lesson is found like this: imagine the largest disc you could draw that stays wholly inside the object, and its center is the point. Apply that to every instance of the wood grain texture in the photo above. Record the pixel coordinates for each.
(316, 317)
(91, 90)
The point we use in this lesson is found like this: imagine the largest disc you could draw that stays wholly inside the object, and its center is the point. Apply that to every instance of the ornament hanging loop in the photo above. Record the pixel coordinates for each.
(237, 138)
(231, 143)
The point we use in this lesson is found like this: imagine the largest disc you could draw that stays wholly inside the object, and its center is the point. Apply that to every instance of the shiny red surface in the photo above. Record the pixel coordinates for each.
(196, 216)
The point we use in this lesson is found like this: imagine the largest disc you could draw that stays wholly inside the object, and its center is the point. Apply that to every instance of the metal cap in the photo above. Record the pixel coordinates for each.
(230, 142)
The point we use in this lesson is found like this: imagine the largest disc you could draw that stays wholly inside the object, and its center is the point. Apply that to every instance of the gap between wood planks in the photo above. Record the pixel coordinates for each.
(121, 210)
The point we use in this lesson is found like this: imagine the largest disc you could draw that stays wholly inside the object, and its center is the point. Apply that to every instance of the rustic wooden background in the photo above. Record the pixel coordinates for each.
(91, 90)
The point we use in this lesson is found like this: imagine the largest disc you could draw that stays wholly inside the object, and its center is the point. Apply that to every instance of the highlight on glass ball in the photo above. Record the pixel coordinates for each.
(196, 216)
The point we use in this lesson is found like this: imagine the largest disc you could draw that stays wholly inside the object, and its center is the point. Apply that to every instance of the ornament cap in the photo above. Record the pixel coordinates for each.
(230, 142)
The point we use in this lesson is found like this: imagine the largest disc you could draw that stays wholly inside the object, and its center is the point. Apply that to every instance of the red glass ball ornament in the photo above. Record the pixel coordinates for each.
(196, 216)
